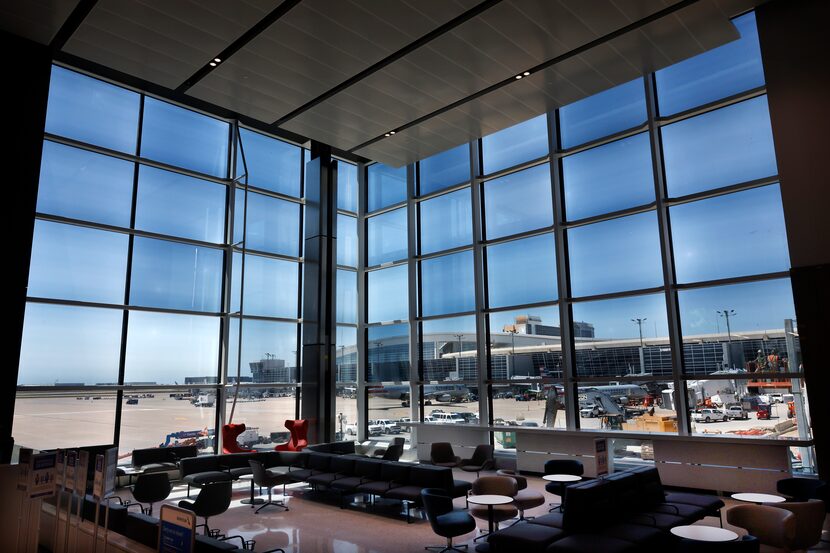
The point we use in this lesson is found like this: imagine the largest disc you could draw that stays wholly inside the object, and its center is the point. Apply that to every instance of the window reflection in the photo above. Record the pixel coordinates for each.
(446, 222)
(525, 343)
(346, 296)
(733, 235)
(388, 358)
(448, 349)
(269, 351)
(271, 286)
(388, 294)
(447, 284)
(386, 186)
(616, 255)
(602, 114)
(608, 178)
(735, 142)
(717, 73)
(346, 186)
(523, 142)
(271, 164)
(387, 237)
(444, 169)
(522, 271)
(346, 240)
(273, 225)
(82, 185)
(518, 202)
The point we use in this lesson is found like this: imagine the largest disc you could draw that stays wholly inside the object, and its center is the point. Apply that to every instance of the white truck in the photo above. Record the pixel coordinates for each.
(708, 415)
(374, 429)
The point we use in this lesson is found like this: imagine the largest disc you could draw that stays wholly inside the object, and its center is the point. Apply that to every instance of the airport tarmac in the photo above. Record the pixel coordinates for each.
(68, 422)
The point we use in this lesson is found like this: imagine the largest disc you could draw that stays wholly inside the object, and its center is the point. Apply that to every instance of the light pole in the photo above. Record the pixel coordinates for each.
(726, 313)
(639, 322)
(512, 330)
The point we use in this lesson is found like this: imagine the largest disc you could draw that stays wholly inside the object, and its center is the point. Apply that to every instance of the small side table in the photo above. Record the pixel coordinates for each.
(561, 478)
(253, 500)
(490, 501)
(758, 498)
(704, 533)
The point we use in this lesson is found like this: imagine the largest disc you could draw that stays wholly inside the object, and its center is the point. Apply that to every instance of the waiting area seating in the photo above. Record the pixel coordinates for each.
(299, 436)
(444, 519)
(229, 434)
(626, 511)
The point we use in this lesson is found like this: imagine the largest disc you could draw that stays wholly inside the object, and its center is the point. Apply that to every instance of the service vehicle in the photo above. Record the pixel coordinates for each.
(389, 426)
(708, 415)
(764, 412)
(447, 418)
(736, 412)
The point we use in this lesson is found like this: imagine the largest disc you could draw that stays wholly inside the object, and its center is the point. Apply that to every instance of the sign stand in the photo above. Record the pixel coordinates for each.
(601, 456)
(60, 466)
(178, 530)
(69, 485)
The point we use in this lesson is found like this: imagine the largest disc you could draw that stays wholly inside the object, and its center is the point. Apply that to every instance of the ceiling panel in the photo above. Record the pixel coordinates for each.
(316, 46)
(658, 44)
(163, 42)
(37, 20)
(501, 42)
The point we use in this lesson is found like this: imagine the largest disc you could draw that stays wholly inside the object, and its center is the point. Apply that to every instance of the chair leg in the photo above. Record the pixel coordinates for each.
(188, 491)
(270, 502)
(449, 547)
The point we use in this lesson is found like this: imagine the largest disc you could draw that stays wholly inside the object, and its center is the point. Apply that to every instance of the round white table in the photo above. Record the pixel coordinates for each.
(758, 498)
(704, 533)
(490, 500)
(561, 478)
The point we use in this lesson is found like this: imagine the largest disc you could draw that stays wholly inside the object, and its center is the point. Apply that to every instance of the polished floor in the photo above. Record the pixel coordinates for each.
(316, 524)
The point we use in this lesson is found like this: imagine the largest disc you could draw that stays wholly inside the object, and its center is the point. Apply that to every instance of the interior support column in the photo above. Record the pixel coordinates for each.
(793, 39)
(28, 68)
(318, 374)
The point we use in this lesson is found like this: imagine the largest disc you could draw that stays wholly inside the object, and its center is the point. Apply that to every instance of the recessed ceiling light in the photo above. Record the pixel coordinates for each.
(217, 60)
(387, 134)
(526, 73)
(212, 64)
(518, 76)
(391, 132)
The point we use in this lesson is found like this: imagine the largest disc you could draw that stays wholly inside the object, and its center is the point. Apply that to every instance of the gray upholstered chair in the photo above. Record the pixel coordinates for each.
(214, 499)
(524, 498)
(445, 521)
(150, 488)
(494, 485)
(809, 521)
(482, 459)
(268, 479)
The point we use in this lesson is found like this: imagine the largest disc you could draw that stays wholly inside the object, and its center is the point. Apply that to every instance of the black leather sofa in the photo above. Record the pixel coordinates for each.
(226, 467)
(626, 511)
(352, 474)
(159, 459)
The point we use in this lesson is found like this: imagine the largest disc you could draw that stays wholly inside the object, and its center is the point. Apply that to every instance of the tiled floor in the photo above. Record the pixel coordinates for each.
(315, 523)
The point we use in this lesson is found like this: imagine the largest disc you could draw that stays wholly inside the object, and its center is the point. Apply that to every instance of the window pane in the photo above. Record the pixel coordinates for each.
(69, 345)
(511, 146)
(347, 362)
(444, 169)
(752, 220)
(386, 186)
(528, 405)
(269, 351)
(184, 138)
(518, 202)
(616, 255)
(271, 286)
(719, 148)
(610, 111)
(388, 294)
(752, 317)
(164, 348)
(628, 406)
(447, 284)
(446, 222)
(47, 421)
(175, 276)
(346, 296)
(718, 73)
(448, 351)
(76, 263)
(388, 355)
(263, 411)
(535, 279)
(346, 186)
(92, 111)
(82, 185)
(166, 417)
(273, 224)
(178, 205)
(387, 237)
(272, 164)
(608, 178)
(607, 335)
(525, 344)
(346, 240)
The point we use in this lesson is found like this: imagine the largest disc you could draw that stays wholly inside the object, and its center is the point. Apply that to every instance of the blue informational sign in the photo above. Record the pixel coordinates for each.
(178, 530)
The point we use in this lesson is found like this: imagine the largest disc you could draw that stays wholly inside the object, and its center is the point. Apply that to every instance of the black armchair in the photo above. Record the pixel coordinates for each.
(442, 455)
(804, 489)
(268, 479)
(482, 459)
(562, 466)
(393, 453)
(214, 499)
(445, 521)
(381, 451)
(150, 488)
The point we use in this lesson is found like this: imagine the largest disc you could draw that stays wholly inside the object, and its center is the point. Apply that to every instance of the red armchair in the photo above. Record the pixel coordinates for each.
(229, 434)
(299, 436)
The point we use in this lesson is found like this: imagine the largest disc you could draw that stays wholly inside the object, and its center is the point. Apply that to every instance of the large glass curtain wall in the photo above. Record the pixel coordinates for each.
(159, 249)
(617, 264)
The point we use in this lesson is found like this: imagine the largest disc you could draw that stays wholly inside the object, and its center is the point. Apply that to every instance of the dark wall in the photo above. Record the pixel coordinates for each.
(795, 48)
(23, 97)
